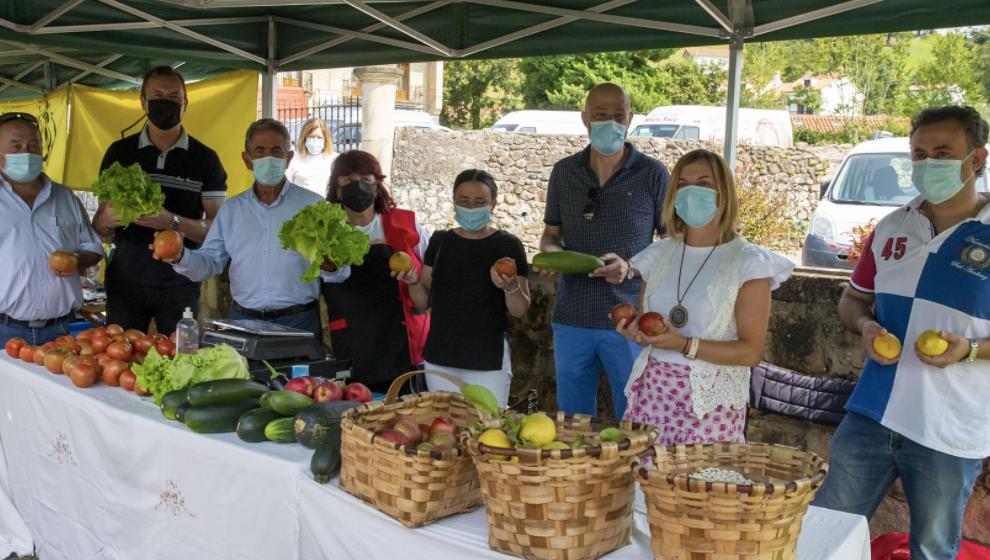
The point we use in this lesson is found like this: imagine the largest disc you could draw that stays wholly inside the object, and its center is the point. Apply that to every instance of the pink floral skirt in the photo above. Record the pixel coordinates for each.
(662, 397)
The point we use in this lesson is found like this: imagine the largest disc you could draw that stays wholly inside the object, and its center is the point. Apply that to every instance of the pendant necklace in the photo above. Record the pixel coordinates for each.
(678, 314)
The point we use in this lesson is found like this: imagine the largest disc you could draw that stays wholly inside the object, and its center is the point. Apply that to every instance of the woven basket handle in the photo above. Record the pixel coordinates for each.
(393, 390)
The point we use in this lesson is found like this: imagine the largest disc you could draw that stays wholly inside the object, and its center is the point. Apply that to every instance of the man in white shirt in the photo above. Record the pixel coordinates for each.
(39, 217)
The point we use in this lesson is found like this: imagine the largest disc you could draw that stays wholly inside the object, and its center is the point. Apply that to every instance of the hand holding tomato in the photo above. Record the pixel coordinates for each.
(63, 264)
(168, 246)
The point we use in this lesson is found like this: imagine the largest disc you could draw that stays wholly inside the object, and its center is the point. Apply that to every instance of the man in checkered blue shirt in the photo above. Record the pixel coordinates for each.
(923, 418)
(604, 201)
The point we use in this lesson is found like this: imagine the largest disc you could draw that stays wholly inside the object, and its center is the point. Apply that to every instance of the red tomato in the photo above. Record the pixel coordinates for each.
(127, 380)
(165, 348)
(112, 371)
(55, 358)
(63, 262)
(172, 337)
(14, 346)
(114, 330)
(39, 353)
(120, 351)
(139, 390)
(27, 353)
(168, 244)
(85, 335)
(133, 334)
(100, 344)
(65, 339)
(70, 362)
(83, 375)
(101, 331)
(144, 344)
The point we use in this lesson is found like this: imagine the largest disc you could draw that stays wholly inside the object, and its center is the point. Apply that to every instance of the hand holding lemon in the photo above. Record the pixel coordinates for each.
(930, 343)
(941, 349)
(887, 346)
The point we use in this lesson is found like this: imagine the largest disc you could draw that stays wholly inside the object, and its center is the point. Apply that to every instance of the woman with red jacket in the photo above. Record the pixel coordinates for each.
(373, 320)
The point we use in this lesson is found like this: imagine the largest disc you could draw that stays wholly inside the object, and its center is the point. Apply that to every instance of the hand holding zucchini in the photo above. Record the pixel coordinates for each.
(569, 262)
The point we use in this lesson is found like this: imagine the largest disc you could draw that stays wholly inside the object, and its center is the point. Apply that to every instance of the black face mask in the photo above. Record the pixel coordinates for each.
(357, 195)
(164, 114)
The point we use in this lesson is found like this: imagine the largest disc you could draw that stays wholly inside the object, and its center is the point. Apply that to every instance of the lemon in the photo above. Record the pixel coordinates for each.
(931, 344)
(887, 346)
(556, 445)
(537, 430)
(496, 438)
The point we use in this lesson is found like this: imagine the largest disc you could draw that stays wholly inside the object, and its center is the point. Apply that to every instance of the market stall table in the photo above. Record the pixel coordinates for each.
(100, 473)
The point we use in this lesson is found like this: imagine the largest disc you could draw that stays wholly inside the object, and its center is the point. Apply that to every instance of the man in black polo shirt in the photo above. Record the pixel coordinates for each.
(140, 288)
(605, 201)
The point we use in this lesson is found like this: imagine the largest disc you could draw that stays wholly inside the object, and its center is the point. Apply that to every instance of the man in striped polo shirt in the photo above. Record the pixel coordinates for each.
(926, 267)
(193, 180)
(605, 201)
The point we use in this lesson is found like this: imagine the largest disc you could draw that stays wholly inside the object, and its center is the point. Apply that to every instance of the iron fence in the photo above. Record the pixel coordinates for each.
(335, 115)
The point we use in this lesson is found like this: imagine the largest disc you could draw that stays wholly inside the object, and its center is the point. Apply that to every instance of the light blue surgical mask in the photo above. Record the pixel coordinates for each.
(23, 168)
(607, 137)
(939, 180)
(268, 171)
(473, 219)
(315, 146)
(696, 205)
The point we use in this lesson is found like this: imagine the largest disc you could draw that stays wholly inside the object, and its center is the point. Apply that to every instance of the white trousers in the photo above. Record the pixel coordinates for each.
(497, 381)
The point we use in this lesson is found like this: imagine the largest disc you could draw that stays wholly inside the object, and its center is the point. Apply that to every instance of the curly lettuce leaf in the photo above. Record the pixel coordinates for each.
(130, 190)
(154, 374)
(321, 231)
(160, 374)
(220, 362)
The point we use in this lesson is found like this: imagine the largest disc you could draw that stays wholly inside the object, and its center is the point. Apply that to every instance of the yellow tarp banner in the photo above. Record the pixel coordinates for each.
(219, 113)
(52, 114)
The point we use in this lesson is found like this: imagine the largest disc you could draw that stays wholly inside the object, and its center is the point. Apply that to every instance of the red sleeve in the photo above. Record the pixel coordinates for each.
(864, 276)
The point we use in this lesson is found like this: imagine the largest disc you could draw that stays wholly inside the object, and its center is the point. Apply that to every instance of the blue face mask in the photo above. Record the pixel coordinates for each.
(23, 168)
(268, 171)
(314, 146)
(607, 137)
(473, 219)
(938, 180)
(696, 205)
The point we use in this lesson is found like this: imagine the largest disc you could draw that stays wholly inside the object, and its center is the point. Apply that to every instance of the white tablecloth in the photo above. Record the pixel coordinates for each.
(15, 537)
(99, 473)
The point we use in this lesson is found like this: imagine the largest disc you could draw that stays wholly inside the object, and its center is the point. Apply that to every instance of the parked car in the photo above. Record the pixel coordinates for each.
(541, 122)
(347, 136)
(695, 122)
(873, 180)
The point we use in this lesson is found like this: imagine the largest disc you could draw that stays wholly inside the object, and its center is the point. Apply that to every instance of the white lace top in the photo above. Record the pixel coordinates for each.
(710, 303)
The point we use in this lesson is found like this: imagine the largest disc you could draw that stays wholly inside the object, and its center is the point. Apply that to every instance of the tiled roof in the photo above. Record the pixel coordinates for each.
(827, 123)
(707, 52)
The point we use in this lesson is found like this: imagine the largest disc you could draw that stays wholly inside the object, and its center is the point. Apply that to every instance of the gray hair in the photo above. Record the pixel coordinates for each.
(267, 124)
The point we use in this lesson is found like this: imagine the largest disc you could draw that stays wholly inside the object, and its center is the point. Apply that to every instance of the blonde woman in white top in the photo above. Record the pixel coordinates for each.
(310, 168)
(712, 288)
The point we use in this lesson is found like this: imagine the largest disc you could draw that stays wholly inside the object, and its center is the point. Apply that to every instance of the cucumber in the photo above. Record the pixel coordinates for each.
(180, 412)
(221, 391)
(288, 403)
(251, 425)
(265, 397)
(281, 430)
(170, 402)
(326, 462)
(318, 421)
(567, 261)
(218, 418)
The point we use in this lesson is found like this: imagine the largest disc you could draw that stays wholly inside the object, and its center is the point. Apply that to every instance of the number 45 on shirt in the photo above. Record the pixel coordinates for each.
(895, 248)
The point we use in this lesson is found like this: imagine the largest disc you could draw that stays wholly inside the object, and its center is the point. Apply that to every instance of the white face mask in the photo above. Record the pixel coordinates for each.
(23, 168)
(315, 146)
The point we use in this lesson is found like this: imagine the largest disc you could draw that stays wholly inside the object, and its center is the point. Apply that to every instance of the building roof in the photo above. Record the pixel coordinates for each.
(706, 52)
(830, 123)
(819, 83)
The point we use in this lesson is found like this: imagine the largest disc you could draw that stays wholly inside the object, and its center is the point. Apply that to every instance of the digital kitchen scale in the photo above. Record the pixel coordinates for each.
(282, 347)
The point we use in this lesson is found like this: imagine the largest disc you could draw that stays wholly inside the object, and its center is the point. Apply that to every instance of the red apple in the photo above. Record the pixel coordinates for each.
(394, 436)
(357, 392)
(425, 430)
(443, 424)
(408, 426)
(622, 311)
(651, 324)
(303, 385)
(328, 392)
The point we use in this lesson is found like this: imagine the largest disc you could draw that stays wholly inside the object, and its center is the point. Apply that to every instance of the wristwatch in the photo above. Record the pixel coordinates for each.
(632, 271)
(974, 349)
(174, 226)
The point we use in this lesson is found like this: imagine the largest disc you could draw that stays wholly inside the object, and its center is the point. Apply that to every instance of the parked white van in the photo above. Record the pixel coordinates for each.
(695, 122)
(541, 122)
(873, 180)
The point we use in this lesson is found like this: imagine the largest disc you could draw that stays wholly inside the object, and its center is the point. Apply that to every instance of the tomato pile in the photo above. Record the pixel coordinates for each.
(105, 353)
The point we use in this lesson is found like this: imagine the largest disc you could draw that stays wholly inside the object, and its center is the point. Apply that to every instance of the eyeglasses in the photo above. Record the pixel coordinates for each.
(7, 117)
(592, 204)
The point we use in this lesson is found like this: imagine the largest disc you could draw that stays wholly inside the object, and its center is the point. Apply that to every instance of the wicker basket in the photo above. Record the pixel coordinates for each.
(560, 504)
(414, 487)
(699, 520)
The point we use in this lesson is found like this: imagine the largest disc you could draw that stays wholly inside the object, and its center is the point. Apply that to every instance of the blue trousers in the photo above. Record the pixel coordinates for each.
(34, 337)
(866, 459)
(580, 354)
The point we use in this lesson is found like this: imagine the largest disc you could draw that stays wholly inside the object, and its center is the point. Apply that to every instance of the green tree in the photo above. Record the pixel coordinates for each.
(563, 82)
(807, 97)
(694, 84)
(763, 64)
(875, 64)
(979, 42)
(948, 76)
(472, 89)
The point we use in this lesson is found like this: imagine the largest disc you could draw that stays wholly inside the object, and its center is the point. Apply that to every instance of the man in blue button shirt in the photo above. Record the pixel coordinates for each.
(264, 278)
(604, 201)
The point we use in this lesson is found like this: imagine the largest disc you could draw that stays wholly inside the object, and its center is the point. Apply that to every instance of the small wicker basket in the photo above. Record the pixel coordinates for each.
(414, 487)
(699, 520)
(560, 504)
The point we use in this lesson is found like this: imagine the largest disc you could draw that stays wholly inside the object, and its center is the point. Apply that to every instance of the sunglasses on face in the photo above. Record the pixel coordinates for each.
(592, 204)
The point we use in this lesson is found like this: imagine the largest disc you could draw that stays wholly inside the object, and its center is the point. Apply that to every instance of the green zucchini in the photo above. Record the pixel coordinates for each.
(170, 402)
(318, 421)
(266, 397)
(180, 412)
(326, 462)
(221, 391)
(218, 418)
(281, 430)
(567, 261)
(251, 425)
(288, 403)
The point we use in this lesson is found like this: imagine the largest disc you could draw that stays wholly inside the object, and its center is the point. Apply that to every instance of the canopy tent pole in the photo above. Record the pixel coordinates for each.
(732, 100)
(268, 77)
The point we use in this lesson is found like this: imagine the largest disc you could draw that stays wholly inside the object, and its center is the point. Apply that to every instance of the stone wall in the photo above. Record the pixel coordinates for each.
(425, 163)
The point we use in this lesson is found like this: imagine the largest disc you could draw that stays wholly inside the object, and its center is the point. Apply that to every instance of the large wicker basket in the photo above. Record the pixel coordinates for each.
(699, 520)
(414, 487)
(560, 504)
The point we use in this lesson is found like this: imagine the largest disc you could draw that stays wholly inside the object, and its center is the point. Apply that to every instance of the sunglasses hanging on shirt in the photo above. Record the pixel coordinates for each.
(592, 204)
